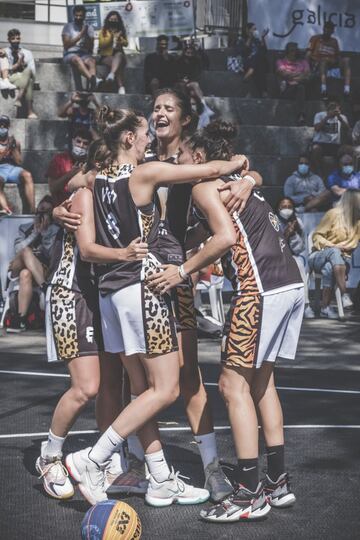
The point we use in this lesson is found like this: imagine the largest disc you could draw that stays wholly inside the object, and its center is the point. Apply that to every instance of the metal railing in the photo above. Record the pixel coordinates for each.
(220, 15)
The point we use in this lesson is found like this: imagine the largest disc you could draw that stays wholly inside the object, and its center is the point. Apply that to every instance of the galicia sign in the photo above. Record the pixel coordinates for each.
(298, 20)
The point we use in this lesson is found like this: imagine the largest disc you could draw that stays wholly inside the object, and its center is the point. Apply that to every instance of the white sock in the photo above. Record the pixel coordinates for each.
(110, 77)
(53, 446)
(118, 462)
(207, 447)
(346, 89)
(323, 88)
(158, 468)
(109, 442)
(134, 444)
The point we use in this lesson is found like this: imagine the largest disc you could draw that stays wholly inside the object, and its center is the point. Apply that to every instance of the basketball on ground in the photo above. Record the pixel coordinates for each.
(111, 520)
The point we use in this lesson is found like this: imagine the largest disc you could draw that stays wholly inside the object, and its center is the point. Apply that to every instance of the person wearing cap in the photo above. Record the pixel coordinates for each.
(11, 170)
(22, 71)
(323, 54)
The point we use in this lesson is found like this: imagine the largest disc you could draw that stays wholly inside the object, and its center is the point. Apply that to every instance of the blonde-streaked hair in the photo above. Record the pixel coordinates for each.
(349, 209)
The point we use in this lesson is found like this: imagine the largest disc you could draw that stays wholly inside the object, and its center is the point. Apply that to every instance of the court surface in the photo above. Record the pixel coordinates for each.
(320, 392)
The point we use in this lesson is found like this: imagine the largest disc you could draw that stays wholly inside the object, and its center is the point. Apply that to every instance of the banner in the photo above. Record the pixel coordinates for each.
(145, 18)
(298, 20)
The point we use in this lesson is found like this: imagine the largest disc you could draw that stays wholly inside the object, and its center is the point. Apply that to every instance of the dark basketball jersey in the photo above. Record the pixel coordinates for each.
(260, 261)
(118, 222)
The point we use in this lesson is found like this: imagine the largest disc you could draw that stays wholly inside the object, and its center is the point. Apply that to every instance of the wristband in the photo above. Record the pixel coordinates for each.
(182, 272)
(250, 178)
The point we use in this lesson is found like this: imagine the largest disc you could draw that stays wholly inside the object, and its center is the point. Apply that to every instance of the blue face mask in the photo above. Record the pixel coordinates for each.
(303, 168)
(347, 169)
(3, 132)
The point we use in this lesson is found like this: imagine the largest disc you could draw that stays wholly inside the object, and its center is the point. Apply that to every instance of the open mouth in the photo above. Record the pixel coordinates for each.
(162, 123)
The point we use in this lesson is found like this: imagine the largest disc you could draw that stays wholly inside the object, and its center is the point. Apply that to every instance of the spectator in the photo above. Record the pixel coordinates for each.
(11, 170)
(293, 231)
(252, 49)
(324, 56)
(159, 67)
(80, 112)
(22, 69)
(189, 68)
(65, 165)
(328, 126)
(202, 112)
(33, 250)
(78, 41)
(112, 40)
(344, 177)
(293, 74)
(334, 240)
(306, 189)
(5, 84)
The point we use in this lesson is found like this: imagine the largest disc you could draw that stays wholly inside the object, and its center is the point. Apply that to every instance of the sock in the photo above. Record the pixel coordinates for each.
(133, 442)
(247, 473)
(275, 461)
(346, 89)
(53, 446)
(158, 468)
(118, 463)
(207, 447)
(323, 88)
(109, 442)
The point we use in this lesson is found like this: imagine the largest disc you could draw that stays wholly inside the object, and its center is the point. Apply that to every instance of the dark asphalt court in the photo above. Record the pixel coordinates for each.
(323, 461)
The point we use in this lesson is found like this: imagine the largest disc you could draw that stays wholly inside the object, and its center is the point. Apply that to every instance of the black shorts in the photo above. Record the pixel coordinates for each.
(328, 149)
(73, 325)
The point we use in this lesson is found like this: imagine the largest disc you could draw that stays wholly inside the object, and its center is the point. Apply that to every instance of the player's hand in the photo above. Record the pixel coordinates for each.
(239, 193)
(63, 216)
(164, 279)
(243, 161)
(137, 250)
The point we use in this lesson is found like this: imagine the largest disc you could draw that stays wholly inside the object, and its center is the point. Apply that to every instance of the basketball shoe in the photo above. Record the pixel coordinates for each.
(279, 493)
(54, 475)
(90, 476)
(242, 505)
(174, 490)
(216, 481)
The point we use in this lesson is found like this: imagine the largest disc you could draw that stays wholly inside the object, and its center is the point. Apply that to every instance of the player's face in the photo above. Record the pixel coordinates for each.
(167, 117)
(142, 139)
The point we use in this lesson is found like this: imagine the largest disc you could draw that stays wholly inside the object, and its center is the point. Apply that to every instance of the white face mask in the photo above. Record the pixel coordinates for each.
(256, 34)
(286, 213)
(78, 151)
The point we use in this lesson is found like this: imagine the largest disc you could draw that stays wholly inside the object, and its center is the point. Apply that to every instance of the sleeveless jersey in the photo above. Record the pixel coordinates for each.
(118, 221)
(260, 262)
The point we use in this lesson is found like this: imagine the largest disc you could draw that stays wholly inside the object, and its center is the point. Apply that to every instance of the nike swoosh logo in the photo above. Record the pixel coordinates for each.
(246, 469)
(113, 443)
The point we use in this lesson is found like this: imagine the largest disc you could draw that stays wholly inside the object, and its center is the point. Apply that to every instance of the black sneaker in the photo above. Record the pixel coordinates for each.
(242, 505)
(17, 326)
(279, 493)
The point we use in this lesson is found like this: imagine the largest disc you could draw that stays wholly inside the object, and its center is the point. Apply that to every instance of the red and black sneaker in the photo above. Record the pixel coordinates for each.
(279, 493)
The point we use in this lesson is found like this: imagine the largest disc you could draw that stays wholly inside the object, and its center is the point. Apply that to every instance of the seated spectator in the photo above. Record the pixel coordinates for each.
(78, 41)
(11, 171)
(324, 56)
(80, 112)
(293, 231)
(33, 251)
(252, 49)
(189, 69)
(112, 40)
(5, 84)
(307, 189)
(65, 165)
(202, 112)
(22, 69)
(344, 177)
(334, 240)
(293, 73)
(328, 126)
(159, 67)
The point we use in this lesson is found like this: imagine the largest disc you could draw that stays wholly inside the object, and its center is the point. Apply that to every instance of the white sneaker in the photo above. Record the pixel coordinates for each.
(309, 313)
(346, 301)
(3, 85)
(9, 85)
(328, 313)
(54, 475)
(90, 476)
(174, 490)
(122, 90)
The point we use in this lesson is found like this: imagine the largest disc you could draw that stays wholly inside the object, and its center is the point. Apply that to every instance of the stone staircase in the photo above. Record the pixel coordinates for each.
(267, 127)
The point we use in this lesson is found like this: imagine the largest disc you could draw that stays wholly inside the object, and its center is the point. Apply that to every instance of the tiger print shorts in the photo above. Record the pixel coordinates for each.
(182, 300)
(261, 328)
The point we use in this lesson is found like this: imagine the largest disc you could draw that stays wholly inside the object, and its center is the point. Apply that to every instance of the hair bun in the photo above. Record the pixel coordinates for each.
(219, 129)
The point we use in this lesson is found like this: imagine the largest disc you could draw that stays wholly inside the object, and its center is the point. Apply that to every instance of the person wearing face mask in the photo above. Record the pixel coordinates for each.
(11, 170)
(306, 189)
(80, 110)
(112, 40)
(252, 49)
(65, 165)
(292, 229)
(344, 177)
(22, 71)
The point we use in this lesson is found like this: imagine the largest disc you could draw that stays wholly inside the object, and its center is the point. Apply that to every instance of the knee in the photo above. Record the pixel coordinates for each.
(227, 390)
(25, 276)
(170, 394)
(86, 391)
(26, 177)
(75, 61)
